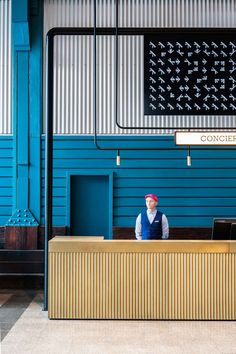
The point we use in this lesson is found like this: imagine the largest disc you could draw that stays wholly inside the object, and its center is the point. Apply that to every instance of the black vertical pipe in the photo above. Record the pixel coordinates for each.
(48, 159)
(95, 71)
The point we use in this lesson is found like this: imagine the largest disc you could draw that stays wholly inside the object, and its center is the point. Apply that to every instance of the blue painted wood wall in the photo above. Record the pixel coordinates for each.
(190, 196)
(6, 178)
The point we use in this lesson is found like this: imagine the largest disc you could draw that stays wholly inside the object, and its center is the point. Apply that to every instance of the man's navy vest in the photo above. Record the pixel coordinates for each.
(151, 231)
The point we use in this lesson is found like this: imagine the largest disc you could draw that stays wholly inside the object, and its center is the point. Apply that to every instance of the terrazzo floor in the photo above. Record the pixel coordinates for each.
(25, 328)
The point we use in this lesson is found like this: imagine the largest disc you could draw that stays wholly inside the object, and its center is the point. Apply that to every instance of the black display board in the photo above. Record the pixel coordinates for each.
(190, 73)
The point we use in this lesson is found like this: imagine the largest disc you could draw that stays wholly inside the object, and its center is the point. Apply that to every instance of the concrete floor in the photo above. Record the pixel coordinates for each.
(25, 328)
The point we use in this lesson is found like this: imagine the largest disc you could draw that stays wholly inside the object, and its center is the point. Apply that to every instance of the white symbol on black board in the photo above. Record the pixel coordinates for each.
(152, 88)
(207, 88)
(171, 51)
(197, 106)
(153, 81)
(152, 62)
(161, 44)
(163, 54)
(161, 80)
(215, 98)
(214, 53)
(190, 54)
(170, 106)
(168, 70)
(188, 106)
(161, 88)
(215, 107)
(151, 44)
(232, 106)
(233, 51)
(214, 44)
(180, 97)
(224, 98)
(161, 106)
(186, 78)
(160, 61)
(188, 45)
(206, 106)
(179, 45)
(206, 98)
(188, 97)
(172, 95)
(179, 106)
(171, 61)
(180, 53)
(197, 45)
(204, 70)
(205, 44)
(153, 72)
(231, 61)
(152, 53)
(197, 94)
(223, 106)
(232, 44)
(187, 61)
(152, 106)
(152, 97)
(231, 96)
(161, 97)
(232, 70)
(170, 45)
(223, 53)
(196, 88)
(214, 88)
(177, 70)
(232, 79)
(214, 70)
(197, 51)
(168, 88)
(207, 53)
(232, 88)
(223, 44)
(161, 71)
(204, 61)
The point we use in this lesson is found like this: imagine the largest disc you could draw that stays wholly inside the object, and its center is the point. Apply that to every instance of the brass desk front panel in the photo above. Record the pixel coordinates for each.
(157, 280)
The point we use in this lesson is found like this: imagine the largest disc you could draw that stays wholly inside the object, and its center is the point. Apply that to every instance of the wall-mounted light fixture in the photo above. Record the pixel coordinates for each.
(118, 158)
(189, 159)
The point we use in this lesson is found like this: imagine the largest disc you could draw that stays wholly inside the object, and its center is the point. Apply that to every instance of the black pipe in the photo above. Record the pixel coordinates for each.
(48, 160)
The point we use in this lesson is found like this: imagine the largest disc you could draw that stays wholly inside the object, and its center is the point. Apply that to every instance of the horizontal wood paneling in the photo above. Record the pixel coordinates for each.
(190, 196)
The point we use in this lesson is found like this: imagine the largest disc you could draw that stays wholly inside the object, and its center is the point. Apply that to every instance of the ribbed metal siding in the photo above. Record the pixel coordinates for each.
(5, 67)
(73, 66)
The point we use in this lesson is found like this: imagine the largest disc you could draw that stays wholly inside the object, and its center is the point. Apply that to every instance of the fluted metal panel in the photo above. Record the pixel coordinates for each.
(73, 65)
(118, 285)
(5, 67)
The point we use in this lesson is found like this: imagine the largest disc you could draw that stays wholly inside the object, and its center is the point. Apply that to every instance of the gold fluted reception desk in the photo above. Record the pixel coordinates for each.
(99, 279)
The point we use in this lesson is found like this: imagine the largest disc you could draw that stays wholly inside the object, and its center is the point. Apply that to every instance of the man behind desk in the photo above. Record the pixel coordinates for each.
(151, 224)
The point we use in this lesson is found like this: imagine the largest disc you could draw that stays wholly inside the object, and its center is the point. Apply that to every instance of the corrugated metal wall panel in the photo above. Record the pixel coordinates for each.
(5, 67)
(73, 66)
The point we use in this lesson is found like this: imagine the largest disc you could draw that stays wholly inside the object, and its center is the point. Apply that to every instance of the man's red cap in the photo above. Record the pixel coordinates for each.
(153, 196)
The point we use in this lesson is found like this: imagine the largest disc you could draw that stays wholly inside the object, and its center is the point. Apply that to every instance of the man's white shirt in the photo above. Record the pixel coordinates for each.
(151, 216)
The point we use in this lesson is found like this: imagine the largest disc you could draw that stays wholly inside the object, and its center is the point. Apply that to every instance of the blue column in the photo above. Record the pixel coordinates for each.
(27, 101)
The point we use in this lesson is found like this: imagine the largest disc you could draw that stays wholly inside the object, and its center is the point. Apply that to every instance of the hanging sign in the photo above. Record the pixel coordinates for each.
(205, 138)
(190, 73)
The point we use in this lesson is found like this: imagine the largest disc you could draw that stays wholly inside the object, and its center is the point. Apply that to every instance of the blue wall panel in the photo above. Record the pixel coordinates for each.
(190, 196)
(6, 178)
